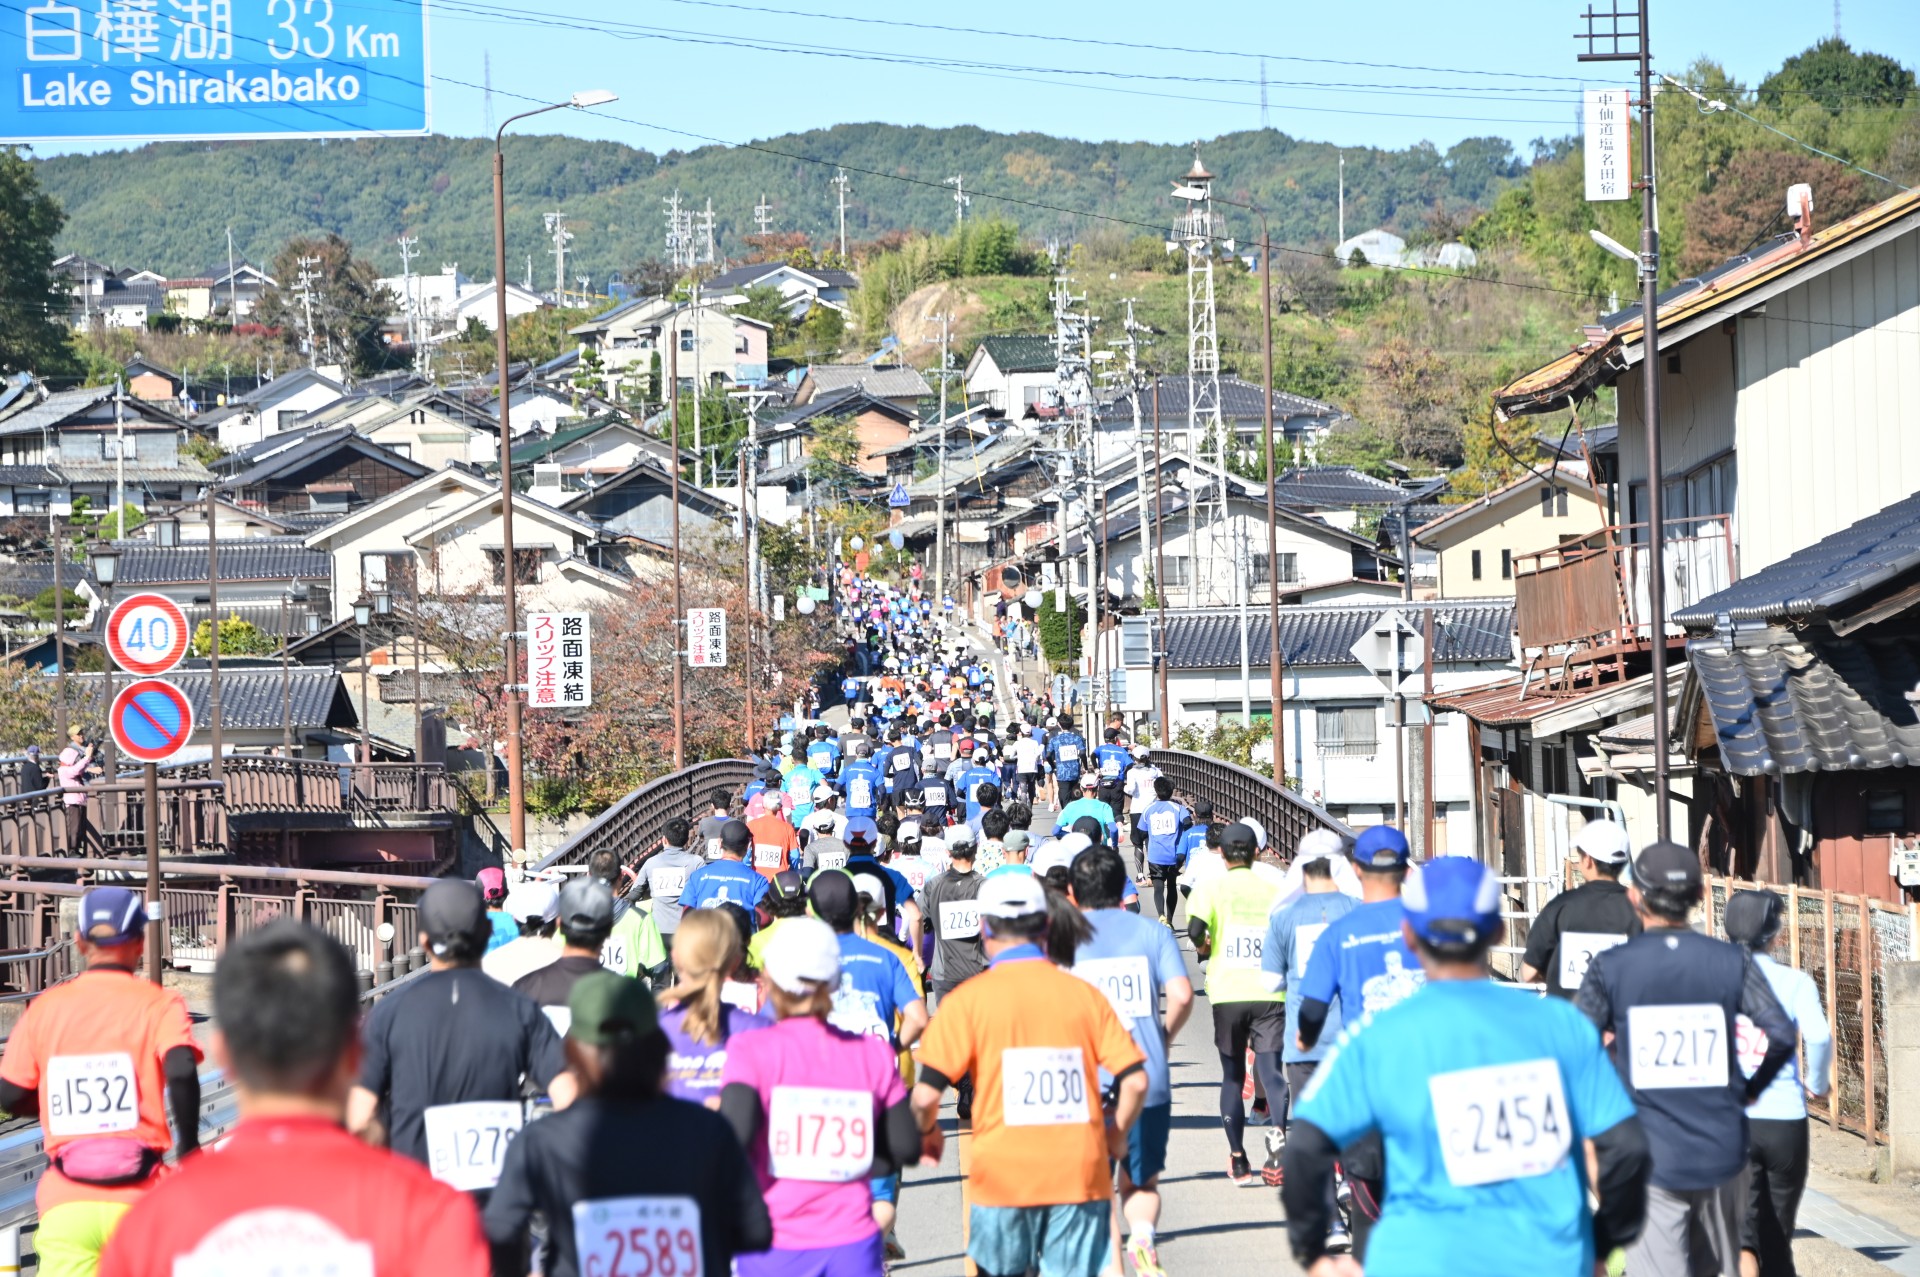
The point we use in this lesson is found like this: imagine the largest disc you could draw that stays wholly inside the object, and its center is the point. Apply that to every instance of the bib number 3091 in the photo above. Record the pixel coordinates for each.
(466, 1143)
(1043, 1086)
(638, 1237)
(1678, 1046)
(1501, 1122)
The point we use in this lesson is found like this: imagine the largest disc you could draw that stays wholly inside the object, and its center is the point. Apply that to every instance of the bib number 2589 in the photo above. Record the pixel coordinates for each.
(638, 1237)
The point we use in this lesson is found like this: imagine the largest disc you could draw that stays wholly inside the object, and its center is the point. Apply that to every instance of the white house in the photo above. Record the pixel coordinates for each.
(274, 406)
(801, 290)
(479, 303)
(713, 345)
(1012, 372)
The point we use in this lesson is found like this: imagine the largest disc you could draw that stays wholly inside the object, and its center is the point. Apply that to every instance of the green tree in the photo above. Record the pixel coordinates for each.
(1060, 630)
(768, 305)
(237, 638)
(72, 606)
(1836, 77)
(32, 297)
(349, 306)
(202, 449)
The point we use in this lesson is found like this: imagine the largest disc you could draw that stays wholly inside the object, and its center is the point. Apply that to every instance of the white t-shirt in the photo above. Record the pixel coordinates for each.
(1026, 754)
(1139, 786)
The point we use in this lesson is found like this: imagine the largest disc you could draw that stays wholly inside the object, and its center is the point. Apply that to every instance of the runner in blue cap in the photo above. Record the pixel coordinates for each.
(1483, 1096)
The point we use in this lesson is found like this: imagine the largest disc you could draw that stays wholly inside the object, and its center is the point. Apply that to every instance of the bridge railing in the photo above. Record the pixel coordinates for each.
(1236, 792)
(631, 826)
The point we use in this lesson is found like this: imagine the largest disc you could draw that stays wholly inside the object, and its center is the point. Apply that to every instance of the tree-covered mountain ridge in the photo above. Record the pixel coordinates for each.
(167, 206)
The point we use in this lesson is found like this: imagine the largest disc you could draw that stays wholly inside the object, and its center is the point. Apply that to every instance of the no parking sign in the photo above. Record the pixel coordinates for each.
(150, 720)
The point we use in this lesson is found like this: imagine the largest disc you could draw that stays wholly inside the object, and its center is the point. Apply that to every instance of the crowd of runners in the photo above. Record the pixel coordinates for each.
(962, 908)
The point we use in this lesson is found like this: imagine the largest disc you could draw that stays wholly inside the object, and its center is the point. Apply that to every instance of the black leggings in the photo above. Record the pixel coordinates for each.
(1233, 1077)
(1777, 1155)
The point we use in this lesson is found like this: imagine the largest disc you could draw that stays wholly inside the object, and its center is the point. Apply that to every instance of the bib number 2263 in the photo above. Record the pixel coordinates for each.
(1043, 1086)
(638, 1237)
(1501, 1122)
(1678, 1046)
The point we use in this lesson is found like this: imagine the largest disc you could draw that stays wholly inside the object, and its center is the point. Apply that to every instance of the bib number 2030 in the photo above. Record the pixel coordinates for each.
(466, 1143)
(1501, 1122)
(1043, 1086)
(1678, 1046)
(638, 1237)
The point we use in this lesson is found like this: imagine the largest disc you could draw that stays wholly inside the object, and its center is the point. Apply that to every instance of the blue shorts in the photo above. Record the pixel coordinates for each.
(1054, 1241)
(1147, 1143)
(885, 1188)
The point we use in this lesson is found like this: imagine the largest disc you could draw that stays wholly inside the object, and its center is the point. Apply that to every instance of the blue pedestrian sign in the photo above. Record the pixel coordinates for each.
(899, 500)
(84, 70)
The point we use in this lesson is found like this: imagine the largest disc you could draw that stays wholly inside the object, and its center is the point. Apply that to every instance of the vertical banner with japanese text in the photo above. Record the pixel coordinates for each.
(1609, 159)
(559, 660)
(706, 637)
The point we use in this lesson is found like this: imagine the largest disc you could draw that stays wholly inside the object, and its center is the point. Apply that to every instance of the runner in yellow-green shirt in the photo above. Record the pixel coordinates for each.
(1227, 921)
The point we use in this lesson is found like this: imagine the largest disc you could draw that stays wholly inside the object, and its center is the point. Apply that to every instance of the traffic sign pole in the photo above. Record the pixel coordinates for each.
(156, 908)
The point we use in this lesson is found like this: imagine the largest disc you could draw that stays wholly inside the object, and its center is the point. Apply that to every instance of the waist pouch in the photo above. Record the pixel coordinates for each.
(107, 1162)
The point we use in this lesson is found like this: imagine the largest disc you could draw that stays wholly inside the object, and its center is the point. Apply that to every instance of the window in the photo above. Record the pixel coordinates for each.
(399, 449)
(740, 345)
(686, 339)
(1553, 503)
(1347, 730)
(1177, 570)
(526, 566)
(31, 500)
(1886, 811)
(1289, 569)
(1476, 565)
(1506, 565)
(391, 571)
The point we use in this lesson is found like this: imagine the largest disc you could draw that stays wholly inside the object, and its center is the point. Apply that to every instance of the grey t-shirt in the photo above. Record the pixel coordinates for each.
(663, 877)
(957, 950)
(707, 839)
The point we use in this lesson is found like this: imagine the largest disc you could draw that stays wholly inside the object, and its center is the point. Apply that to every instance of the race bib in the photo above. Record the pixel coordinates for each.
(1127, 982)
(1501, 1122)
(1163, 824)
(713, 849)
(561, 1018)
(1750, 1048)
(741, 996)
(934, 795)
(1069, 753)
(467, 1142)
(638, 1237)
(833, 859)
(1239, 947)
(668, 883)
(613, 956)
(1576, 954)
(943, 752)
(91, 1094)
(901, 761)
(818, 1134)
(959, 919)
(1110, 769)
(1043, 1086)
(859, 792)
(973, 791)
(768, 855)
(914, 871)
(1678, 1046)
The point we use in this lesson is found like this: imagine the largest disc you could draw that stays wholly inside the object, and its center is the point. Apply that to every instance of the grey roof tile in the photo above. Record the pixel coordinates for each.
(1240, 401)
(1825, 575)
(1479, 632)
(1812, 704)
(1340, 486)
(249, 698)
(883, 381)
(252, 559)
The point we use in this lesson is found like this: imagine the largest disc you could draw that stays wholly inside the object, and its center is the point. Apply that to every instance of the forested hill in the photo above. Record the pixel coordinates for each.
(167, 206)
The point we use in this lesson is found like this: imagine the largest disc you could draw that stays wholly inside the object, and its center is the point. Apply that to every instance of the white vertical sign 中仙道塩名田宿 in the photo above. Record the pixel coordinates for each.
(1609, 159)
(559, 660)
(706, 637)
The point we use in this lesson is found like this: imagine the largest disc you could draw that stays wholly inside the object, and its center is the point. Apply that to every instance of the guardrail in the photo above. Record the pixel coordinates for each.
(630, 827)
(1235, 792)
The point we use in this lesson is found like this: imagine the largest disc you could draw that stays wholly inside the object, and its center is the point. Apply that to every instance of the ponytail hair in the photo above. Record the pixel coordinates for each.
(706, 949)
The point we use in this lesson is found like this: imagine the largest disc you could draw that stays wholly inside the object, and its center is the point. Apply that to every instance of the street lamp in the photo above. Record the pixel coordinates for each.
(516, 780)
(295, 593)
(1273, 518)
(363, 617)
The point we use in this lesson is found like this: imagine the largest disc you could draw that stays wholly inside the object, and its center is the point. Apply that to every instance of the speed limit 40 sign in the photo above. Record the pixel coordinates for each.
(147, 634)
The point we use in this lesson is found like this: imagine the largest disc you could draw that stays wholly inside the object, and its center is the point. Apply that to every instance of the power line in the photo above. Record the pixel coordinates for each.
(1709, 106)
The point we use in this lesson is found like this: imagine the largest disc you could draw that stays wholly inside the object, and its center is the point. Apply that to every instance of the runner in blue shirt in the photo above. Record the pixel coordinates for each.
(860, 782)
(1087, 805)
(936, 798)
(1194, 837)
(726, 880)
(876, 997)
(1133, 960)
(1066, 750)
(1164, 821)
(823, 751)
(976, 775)
(799, 785)
(1483, 1096)
(1362, 961)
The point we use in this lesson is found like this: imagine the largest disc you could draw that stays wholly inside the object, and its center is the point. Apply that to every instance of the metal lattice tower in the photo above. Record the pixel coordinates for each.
(557, 231)
(1195, 230)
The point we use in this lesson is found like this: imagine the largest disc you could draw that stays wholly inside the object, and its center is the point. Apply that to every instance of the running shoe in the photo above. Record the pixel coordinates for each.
(1276, 1145)
(1146, 1260)
(895, 1251)
(1239, 1170)
(1339, 1240)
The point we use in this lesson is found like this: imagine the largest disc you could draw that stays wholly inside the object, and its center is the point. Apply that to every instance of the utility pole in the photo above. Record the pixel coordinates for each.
(1342, 232)
(674, 249)
(960, 201)
(940, 481)
(305, 289)
(840, 180)
(1132, 343)
(1626, 40)
(1160, 574)
(707, 227)
(679, 612)
(1263, 93)
(233, 285)
(557, 231)
(763, 216)
(409, 244)
(119, 462)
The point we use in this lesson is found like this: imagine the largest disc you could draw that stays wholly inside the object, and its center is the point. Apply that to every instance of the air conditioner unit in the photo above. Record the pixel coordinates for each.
(546, 475)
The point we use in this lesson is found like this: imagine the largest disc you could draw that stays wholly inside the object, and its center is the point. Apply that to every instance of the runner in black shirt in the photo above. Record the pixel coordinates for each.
(1579, 923)
(586, 919)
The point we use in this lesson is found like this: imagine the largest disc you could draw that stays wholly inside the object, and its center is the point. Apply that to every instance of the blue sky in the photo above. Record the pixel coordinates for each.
(1502, 67)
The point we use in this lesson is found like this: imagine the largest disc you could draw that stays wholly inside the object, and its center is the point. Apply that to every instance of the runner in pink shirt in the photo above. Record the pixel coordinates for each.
(820, 1111)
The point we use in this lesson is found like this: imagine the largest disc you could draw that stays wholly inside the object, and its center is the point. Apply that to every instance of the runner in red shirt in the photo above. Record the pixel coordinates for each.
(290, 1185)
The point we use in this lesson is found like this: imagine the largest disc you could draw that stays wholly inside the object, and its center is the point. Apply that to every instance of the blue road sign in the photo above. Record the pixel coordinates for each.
(899, 499)
(151, 720)
(80, 70)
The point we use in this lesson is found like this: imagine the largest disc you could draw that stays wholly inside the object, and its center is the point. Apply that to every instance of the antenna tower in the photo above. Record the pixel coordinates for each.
(561, 236)
(1263, 91)
(960, 198)
(1195, 230)
(763, 216)
(706, 227)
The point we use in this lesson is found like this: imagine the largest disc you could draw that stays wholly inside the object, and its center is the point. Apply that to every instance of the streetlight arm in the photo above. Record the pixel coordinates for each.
(579, 101)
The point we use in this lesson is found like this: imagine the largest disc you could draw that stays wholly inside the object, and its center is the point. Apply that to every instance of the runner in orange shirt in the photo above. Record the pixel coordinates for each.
(774, 841)
(1035, 1039)
(101, 1060)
